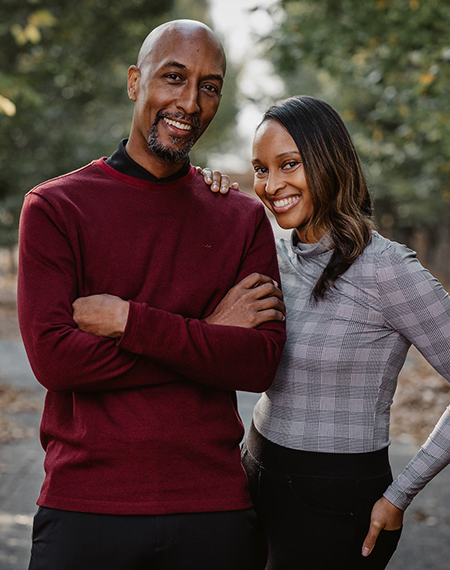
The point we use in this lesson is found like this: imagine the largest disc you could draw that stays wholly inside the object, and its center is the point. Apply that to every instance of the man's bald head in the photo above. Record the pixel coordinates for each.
(176, 88)
(171, 31)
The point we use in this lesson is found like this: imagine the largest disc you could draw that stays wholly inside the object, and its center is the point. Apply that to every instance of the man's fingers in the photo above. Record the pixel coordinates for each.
(271, 303)
(257, 286)
(261, 317)
(254, 280)
(274, 315)
(258, 279)
(269, 289)
(253, 301)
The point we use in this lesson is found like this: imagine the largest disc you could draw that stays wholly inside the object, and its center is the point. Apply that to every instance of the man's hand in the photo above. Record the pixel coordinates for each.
(385, 516)
(255, 300)
(101, 315)
(217, 180)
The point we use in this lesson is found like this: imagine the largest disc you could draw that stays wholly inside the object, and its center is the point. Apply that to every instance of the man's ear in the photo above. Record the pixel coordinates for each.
(133, 82)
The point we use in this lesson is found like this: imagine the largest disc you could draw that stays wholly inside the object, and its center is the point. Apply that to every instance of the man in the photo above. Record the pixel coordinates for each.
(140, 424)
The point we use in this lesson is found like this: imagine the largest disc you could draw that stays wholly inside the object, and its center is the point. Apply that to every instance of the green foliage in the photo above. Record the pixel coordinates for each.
(63, 98)
(385, 66)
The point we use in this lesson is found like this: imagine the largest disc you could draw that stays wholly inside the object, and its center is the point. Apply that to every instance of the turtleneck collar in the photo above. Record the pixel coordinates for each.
(306, 250)
(122, 162)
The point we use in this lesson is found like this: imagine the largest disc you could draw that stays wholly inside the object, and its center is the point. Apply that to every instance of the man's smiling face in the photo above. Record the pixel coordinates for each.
(177, 90)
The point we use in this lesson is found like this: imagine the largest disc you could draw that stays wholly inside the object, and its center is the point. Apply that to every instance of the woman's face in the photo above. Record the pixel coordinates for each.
(280, 180)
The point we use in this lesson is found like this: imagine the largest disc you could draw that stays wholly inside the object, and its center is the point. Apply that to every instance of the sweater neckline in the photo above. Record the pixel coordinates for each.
(120, 160)
(309, 250)
(145, 184)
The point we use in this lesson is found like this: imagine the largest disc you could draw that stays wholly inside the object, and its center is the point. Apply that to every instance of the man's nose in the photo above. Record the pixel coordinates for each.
(189, 100)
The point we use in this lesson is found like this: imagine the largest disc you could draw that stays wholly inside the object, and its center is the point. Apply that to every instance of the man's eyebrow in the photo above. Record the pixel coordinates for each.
(213, 76)
(175, 64)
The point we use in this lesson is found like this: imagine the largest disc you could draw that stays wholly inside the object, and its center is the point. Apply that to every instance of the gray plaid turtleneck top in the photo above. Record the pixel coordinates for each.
(338, 374)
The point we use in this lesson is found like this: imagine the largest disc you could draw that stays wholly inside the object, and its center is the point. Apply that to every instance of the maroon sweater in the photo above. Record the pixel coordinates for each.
(147, 424)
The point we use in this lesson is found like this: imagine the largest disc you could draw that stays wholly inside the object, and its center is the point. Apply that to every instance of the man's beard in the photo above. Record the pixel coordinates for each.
(166, 153)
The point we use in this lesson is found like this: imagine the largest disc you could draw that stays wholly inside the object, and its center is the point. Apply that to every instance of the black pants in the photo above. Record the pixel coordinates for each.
(64, 540)
(315, 507)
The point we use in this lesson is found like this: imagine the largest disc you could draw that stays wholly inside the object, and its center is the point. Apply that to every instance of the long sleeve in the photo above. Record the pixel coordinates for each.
(128, 243)
(138, 427)
(223, 357)
(62, 357)
(416, 305)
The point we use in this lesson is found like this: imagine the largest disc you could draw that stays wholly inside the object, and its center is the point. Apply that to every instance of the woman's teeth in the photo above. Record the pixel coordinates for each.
(285, 201)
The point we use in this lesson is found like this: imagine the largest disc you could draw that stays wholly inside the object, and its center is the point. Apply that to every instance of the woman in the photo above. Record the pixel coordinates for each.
(316, 454)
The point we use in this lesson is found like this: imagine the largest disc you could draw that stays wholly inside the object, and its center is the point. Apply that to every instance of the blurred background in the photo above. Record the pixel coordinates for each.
(383, 64)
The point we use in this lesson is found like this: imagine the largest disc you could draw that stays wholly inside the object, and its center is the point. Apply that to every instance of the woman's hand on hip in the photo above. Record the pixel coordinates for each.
(385, 516)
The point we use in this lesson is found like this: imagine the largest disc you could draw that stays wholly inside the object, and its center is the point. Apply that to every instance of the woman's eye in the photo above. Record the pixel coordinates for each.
(291, 164)
(260, 170)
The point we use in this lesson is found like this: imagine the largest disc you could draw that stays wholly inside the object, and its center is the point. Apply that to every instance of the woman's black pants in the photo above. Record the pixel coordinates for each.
(315, 507)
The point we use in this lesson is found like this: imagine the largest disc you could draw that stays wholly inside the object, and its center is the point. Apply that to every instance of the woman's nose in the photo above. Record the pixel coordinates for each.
(274, 184)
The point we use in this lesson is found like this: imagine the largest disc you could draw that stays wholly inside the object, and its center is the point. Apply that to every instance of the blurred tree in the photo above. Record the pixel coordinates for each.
(385, 66)
(63, 99)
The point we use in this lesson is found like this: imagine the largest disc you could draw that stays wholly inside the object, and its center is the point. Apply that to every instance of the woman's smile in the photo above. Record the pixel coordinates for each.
(282, 205)
(280, 179)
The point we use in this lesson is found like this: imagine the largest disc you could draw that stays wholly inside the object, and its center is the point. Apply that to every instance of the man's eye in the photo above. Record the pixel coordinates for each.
(211, 88)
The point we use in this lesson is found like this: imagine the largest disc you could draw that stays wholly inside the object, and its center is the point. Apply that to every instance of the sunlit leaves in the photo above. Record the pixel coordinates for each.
(7, 107)
(31, 32)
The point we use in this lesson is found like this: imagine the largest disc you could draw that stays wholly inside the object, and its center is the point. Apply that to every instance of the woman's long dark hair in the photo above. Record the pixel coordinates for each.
(339, 192)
